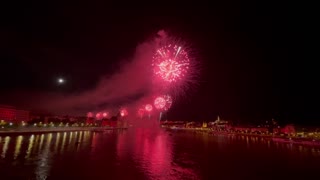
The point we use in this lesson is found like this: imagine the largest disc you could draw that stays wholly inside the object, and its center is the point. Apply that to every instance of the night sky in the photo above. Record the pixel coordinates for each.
(253, 55)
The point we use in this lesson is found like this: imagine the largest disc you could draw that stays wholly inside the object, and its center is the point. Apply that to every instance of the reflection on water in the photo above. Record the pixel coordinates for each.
(269, 144)
(18, 145)
(57, 143)
(148, 154)
(5, 146)
(41, 142)
(156, 152)
(43, 165)
(63, 141)
(39, 149)
(29, 146)
(152, 150)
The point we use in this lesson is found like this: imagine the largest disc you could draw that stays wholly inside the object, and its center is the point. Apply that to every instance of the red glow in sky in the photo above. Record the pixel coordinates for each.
(105, 114)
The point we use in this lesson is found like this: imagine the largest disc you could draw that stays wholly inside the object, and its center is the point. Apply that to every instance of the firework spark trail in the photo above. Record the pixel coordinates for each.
(160, 53)
(177, 52)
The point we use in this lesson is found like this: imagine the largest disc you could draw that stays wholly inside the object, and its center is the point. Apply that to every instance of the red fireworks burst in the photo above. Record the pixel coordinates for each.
(159, 102)
(148, 107)
(123, 112)
(105, 114)
(98, 115)
(140, 112)
(171, 63)
(163, 102)
(89, 114)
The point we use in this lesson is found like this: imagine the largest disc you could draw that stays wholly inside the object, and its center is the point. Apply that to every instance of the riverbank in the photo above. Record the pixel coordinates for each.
(26, 130)
(275, 138)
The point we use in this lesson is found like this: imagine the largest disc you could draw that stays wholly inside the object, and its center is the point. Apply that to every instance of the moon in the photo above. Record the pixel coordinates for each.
(61, 80)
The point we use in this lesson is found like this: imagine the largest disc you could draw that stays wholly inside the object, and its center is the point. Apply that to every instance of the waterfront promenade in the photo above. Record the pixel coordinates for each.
(24, 130)
(274, 137)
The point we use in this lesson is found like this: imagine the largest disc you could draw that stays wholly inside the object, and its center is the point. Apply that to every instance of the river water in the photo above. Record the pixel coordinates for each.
(144, 153)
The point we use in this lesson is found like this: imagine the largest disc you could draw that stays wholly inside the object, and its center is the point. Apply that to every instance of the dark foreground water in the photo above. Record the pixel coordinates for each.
(153, 154)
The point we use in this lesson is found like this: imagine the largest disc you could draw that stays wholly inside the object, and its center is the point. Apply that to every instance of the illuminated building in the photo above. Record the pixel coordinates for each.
(12, 114)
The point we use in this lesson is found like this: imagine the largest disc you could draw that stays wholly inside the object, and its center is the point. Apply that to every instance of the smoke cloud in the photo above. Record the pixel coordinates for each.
(131, 84)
